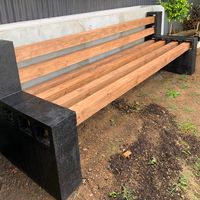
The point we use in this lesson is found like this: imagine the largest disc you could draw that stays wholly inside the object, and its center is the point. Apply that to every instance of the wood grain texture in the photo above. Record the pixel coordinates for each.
(43, 88)
(90, 105)
(38, 70)
(59, 93)
(88, 89)
(96, 71)
(42, 48)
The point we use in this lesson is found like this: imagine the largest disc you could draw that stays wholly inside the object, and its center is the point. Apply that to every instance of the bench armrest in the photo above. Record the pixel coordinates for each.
(37, 136)
(186, 63)
(41, 138)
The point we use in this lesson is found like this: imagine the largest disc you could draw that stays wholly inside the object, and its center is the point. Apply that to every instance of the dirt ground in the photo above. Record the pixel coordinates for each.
(145, 146)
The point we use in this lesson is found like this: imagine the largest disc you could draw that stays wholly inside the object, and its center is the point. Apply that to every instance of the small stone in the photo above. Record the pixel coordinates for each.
(84, 181)
(126, 154)
(89, 170)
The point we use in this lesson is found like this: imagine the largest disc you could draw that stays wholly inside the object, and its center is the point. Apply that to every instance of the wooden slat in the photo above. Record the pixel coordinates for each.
(84, 109)
(47, 85)
(49, 46)
(44, 68)
(95, 72)
(82, 79)
(92, 87)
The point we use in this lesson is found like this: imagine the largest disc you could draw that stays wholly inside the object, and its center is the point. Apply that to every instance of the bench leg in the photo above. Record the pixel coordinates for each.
(186, 63)
(37, 136)
(47, 154)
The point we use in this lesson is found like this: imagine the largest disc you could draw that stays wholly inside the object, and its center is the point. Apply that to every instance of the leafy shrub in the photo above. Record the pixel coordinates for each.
(177, 11)
(194, 18)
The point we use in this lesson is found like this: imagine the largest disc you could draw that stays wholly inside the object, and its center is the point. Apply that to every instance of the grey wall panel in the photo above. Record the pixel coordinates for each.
(22, 10)
(196, 2)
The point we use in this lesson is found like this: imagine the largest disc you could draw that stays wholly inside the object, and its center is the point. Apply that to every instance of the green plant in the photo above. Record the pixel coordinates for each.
(197, 167)
(181, 184)
(177, 11)
(188, 127)
(172, 94)
(153, 162)
(113, 195)
(125, 194)
(185, 148)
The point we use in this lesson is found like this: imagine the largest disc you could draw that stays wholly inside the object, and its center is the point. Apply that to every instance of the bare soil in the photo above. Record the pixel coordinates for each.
(161, 140)
(147, 123)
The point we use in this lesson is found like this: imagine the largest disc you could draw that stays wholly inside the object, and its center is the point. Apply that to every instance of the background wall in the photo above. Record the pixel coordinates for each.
(22, 10)
(195, 1)
(27, 32)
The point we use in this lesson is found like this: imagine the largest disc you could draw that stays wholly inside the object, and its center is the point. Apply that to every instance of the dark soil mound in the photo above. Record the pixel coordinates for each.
(155, 162)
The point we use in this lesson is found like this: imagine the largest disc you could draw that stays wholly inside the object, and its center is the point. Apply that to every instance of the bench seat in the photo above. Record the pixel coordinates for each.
(96, 85)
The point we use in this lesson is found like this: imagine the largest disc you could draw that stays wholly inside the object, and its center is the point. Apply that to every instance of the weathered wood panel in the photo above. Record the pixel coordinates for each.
(22, 10)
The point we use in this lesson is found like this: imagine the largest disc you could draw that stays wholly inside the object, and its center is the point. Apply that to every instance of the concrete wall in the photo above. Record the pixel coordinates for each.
(23, 10)
(196, 2)
(22, 33)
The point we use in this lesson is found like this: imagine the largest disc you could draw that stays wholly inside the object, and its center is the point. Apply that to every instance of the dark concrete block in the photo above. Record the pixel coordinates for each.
(41, 139)
(157, 25)
(186, 63)
(37, 136)
(9, 77)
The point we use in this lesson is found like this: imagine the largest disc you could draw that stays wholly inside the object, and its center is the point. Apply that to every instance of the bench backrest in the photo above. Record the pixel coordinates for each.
(45, 60)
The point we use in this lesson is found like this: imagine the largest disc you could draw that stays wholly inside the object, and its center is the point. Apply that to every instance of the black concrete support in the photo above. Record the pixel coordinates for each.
(184, 64)
(37, 136)
(157, 25)
(9, 78)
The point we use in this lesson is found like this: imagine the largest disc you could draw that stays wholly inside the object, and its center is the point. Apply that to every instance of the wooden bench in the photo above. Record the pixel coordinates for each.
(83, 73)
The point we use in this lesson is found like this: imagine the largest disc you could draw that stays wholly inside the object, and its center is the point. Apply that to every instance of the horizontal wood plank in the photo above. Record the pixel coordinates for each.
(41, 69)
(89, 106)
(86, 90)
(83, 78)
(42, 89)
(42, 48)
(73, 84)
